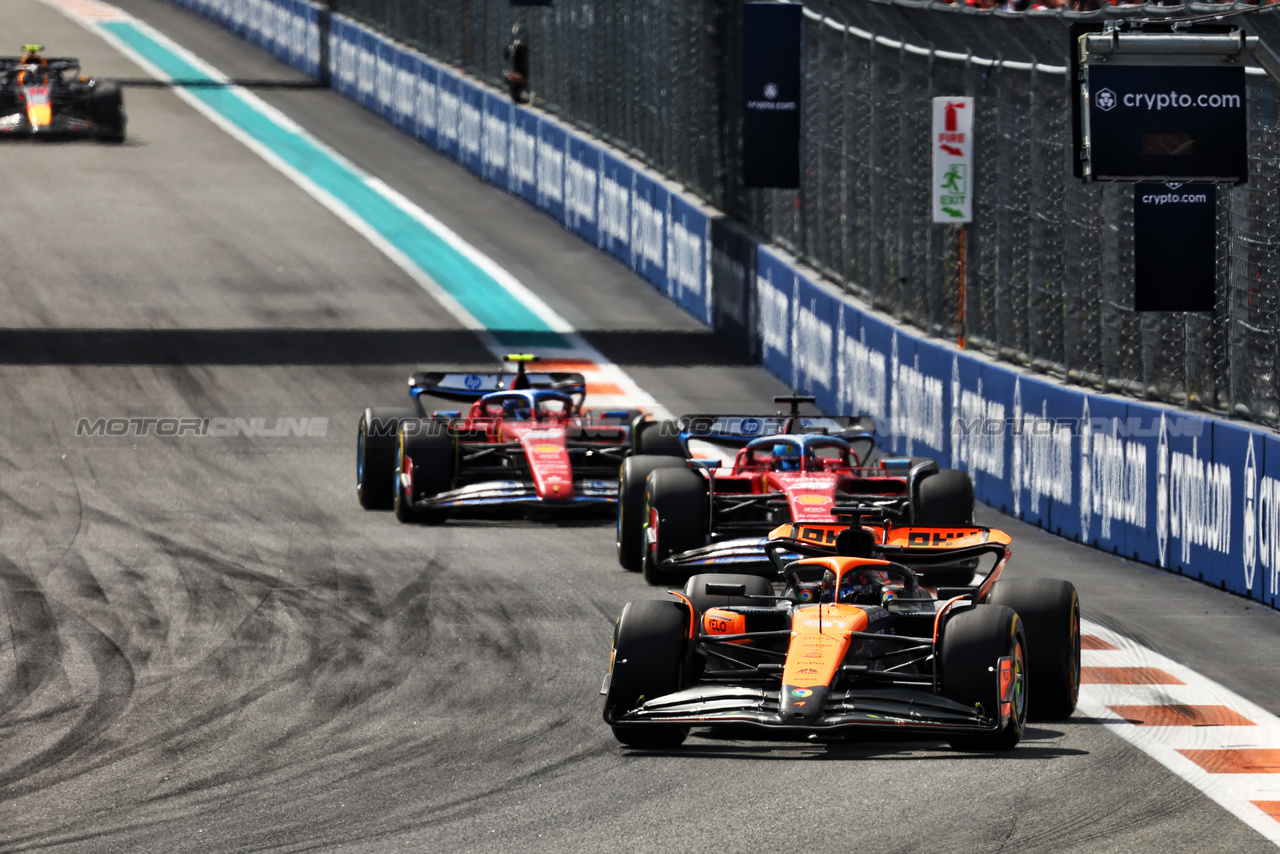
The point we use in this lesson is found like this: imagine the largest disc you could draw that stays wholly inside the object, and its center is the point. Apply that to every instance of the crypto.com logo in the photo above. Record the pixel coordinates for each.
(1106, 100)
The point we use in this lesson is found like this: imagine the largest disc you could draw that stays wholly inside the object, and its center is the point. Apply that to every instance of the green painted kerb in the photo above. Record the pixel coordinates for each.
(486, 300)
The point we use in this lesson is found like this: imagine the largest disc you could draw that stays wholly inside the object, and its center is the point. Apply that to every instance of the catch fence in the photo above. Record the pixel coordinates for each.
(1050, 260)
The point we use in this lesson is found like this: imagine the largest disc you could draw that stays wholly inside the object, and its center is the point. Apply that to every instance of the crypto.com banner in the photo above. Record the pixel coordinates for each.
(771, 86)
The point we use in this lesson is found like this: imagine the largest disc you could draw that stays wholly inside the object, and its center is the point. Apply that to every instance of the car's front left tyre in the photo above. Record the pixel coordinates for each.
(650, 647)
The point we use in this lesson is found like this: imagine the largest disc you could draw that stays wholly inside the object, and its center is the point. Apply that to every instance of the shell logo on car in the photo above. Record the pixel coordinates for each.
(814, 499)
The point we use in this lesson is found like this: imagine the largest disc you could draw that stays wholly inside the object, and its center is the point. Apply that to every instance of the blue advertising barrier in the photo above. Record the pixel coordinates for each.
(613, 207)
(385, 85)
(733, 283)
(689, 278)
(815, 317)
(1194, 495)
(581, 180)
(448, 101)
(1118, 462)
(650, 211)
(775, 283)
(470, 124)
(425, 119)
(552, 159)
(1262, 518)
(495, 139)
(522, 157)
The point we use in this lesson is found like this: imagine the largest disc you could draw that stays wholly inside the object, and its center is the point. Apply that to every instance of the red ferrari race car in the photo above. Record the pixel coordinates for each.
(525, 440)
(853, 641)
(677, 515)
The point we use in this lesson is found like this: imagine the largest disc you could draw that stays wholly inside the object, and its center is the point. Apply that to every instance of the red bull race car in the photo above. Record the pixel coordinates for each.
(47, 97)
(524, 441)
(679, 513)
(852, 639)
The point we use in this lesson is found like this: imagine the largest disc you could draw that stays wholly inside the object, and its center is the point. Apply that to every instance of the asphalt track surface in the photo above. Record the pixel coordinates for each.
(209, 646)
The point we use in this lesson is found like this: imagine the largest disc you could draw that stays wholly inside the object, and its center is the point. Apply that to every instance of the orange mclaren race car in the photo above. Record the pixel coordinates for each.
(677, 517)
(524, 441)
(46, 97)
(854, 640)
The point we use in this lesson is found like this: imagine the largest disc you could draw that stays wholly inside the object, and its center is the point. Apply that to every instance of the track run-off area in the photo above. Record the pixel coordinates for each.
(205, 644)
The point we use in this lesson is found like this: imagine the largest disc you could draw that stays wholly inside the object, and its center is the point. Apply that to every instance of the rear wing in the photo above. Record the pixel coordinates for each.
(10, 63)
(917, 545)
(472, 387)
(741, 429)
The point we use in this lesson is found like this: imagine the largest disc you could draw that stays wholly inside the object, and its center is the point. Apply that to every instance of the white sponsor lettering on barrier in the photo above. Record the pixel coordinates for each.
(313, 42)
(550, 173)
(366, 75)
(1268, 520)
(447, 103)
(469, 129)
(1261, 533)
(977, 428)
(1041, 457)
(426, 107)
(579, 191)
(775, 316)
(524, 156)
(345, 61)
(615, 208)
(495, 142)
(1197, 511)
(811, 346)
(916, 405)
(386, 82)
(861, 377)
(686, 250)
(733, 282)
(1113, 476)
(647, 226)
(406, 91)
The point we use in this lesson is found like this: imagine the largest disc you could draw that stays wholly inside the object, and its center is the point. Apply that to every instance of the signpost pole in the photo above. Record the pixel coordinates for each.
(962, 298)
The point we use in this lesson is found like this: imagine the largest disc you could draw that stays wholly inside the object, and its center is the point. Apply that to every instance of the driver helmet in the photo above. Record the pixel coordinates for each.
(862, 587)
(515, 409)
(786, 457)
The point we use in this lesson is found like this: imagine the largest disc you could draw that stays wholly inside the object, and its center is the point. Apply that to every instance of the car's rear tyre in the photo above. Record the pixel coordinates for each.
(106, 111)
(695, 590)
(376, 453)
(973, 642)
(650, 648)
(678, 496)
(1050, 612)
(631, 510)
(658, 438)
(945, 498)
(426, 452)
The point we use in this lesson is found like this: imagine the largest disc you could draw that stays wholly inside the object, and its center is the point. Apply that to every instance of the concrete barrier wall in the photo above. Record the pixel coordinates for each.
(1191, 494)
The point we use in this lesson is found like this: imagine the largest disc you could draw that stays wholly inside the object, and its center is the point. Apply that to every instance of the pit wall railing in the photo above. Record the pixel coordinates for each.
(1192, 494)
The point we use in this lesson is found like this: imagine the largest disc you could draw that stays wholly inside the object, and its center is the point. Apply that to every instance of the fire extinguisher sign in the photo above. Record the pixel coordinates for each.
(952, 160)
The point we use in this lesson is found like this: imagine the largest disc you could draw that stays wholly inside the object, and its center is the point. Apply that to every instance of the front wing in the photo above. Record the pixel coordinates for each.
(516, 493)
(879, 709)
(743, 553)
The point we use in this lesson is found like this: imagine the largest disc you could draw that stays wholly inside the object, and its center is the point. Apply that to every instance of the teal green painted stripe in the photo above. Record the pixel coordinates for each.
(487, 301)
